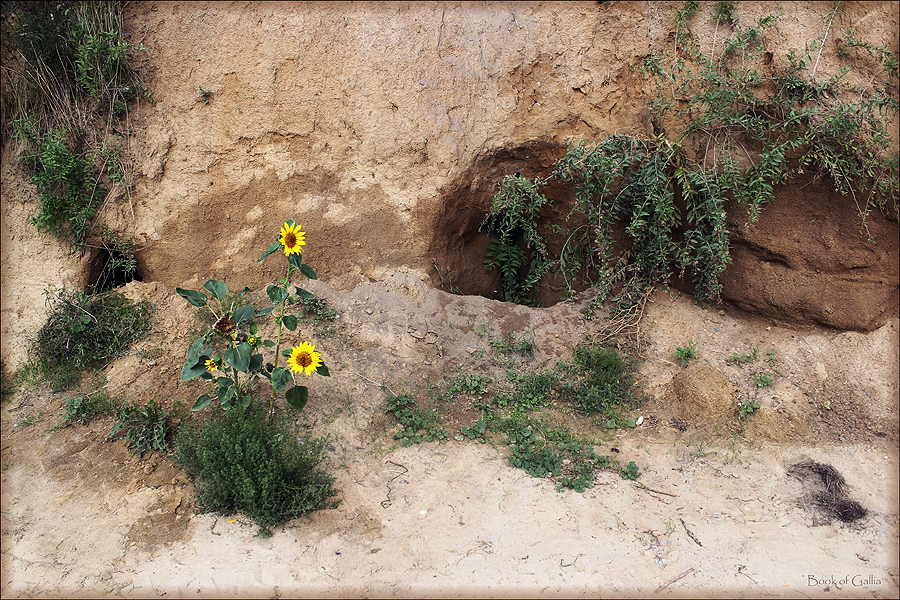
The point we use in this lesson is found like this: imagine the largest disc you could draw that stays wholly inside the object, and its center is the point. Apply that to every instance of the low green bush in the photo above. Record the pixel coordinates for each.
(85, 331)
(241, 462)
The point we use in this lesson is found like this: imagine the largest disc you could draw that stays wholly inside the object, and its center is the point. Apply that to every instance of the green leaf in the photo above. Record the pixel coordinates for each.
(271, 249)
(239, 357)
(194, 297)
(265, 311)
(244, 313)
(195, 351)
(296, 261)
(216, 288)
(245, 400)
(189, 371)
(304, 294)
(201, 403)
(277, 294)
(290, 321)
(256, 363)
(297, 396)
(280, 378)
(268, 343)
(323, 371)
(308, 271)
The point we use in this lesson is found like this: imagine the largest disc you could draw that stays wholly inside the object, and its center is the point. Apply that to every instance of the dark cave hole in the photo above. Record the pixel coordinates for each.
(111, 269)
(458, 246)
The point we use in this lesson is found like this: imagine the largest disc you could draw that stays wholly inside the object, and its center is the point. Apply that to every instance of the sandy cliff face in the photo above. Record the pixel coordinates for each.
(383, 129)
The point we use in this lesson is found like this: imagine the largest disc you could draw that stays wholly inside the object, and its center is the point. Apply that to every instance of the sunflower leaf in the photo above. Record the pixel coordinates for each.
(277, 294)
(256, 363)
(194, 297)
(216, 288)
(190, 371)
(201, 403)
(304, 294)
(245, 400)
(297, 396)
(195, 351)
(296, 261)
(290, 321)
(280, 378)
(271, 249)
(308, 271)
(265, 311)
(244, 313)
(239, 357)
(323, 371)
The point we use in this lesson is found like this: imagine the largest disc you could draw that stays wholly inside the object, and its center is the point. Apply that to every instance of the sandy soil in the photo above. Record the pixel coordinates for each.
(713, 513)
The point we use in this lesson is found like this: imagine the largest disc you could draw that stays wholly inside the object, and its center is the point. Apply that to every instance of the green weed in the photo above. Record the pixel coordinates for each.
(472, 384)
(146, 428)
(90, 407)
(686, 353)
(600, 381)
(416, 424)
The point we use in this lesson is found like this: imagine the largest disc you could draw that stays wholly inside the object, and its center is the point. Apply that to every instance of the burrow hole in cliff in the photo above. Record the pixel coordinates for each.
(108, 269)
(458, 247)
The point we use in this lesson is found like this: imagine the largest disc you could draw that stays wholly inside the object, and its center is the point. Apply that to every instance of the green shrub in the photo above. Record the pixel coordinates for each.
(69, 70)
(240, 462)
(84, 331)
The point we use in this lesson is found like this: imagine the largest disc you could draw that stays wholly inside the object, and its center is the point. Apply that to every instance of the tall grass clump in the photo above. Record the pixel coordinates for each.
(69, 78)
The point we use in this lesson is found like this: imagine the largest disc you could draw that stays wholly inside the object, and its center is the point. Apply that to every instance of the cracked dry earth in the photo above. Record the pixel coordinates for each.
(713, 513)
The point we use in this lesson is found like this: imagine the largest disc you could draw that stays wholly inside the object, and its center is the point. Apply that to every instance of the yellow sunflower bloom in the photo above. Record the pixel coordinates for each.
(292, 239)
(305, 359)
(211, 365)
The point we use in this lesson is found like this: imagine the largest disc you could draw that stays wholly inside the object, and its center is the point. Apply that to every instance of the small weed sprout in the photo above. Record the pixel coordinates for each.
(763, 379)
(205, 95)
(746, 408)
(686, 353)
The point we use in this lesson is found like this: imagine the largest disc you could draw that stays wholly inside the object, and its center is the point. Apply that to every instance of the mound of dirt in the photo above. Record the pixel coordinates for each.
(713, 512)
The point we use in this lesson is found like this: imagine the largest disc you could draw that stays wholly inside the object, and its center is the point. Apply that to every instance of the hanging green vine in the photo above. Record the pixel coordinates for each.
(756, 125)
(516, 247)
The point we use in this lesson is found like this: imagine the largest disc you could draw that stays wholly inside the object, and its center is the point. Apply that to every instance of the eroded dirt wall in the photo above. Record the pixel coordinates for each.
(365, 123)
(353, 119)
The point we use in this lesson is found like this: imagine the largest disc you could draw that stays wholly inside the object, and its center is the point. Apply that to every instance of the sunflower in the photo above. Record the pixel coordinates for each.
(304, 358)
(211, 365)
(225, 325)
(292, 238)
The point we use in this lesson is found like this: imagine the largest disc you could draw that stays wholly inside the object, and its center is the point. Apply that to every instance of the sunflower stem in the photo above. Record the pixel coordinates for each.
(284, 283)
